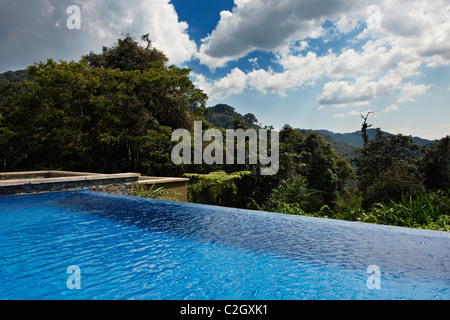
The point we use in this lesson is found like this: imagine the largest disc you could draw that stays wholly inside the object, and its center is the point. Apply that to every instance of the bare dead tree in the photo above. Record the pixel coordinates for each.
(364, 128)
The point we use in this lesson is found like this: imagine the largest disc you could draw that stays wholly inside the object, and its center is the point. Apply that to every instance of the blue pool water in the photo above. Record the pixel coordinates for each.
(134, 248)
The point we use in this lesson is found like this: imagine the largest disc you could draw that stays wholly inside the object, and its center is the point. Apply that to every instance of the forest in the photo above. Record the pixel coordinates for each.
(115, 111)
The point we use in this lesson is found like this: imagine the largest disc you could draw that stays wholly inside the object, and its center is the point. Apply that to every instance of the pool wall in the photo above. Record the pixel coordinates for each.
(15, 183)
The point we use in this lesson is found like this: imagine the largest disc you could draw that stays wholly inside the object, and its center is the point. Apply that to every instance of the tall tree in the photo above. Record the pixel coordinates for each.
(380, 154)
(435, 165)
(364, 128)
(127, 55)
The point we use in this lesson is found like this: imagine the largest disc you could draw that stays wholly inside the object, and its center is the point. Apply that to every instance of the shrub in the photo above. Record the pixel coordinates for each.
(215, 187)
(297, 196)
(426, 211)
(401, 179)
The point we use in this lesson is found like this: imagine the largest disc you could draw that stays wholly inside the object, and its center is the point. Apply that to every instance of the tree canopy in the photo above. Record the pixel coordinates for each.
(80, 116)
(127, 55)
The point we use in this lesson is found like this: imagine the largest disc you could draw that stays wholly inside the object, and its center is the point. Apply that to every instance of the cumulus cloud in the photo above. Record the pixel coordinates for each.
(409, 91)
(300, 71)
(156, 17)
(352, 113)
(360, 90)
(32, 31)
(391, 108)
(374, 64)
(267, 25)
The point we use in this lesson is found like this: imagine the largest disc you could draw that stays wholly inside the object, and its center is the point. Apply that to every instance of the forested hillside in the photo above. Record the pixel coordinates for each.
(225, 116)
(14, 76)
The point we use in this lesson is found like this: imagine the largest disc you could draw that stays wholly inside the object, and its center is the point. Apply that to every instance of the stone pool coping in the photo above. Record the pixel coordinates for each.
(13, 183)
(71, 177)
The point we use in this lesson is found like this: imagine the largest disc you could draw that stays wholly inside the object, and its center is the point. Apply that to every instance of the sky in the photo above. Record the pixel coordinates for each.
(312, 64)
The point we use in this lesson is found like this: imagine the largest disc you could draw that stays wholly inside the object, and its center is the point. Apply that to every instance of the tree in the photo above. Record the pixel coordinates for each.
(401, 179)
(127, 55)
(435, 165)
(364, 128)
(8, 150)
(225, 116)
(75, 116)
(295, 195)
(239, 123)
(379, 155)
(250, 120)
(313, 159)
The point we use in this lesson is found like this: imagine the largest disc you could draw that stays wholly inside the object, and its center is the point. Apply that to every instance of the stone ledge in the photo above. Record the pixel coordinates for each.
(158, 180)
(14, 183)
(68, 179)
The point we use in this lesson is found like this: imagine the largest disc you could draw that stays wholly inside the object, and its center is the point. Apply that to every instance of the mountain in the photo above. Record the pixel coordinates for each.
(14, 76)
(224, 116)
(346, 143)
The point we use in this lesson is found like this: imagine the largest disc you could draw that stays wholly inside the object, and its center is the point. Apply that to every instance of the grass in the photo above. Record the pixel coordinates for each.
(158, 193)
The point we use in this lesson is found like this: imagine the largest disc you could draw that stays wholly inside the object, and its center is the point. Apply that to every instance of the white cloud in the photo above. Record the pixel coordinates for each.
(355, 113)
(360, 90)
(254, 62)
(413, 33)
(234, 83)
(352, 113)
(346, 23)
(423, 26)
(32, 31)
(409, 91)
(391, 108)
(269, 25)
(110, 19)
(300, 71)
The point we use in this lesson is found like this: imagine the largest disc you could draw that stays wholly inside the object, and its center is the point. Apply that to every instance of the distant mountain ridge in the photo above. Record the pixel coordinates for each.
(14, 76)
(345, 144)
(354, 139)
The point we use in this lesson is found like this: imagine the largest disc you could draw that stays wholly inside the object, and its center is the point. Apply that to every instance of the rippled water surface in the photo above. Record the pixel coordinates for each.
(133, 248)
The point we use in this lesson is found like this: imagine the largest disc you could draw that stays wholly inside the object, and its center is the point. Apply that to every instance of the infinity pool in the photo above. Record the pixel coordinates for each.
(134, 248)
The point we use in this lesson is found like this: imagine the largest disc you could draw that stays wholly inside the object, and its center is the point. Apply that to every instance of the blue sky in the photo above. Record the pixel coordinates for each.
(315, 64)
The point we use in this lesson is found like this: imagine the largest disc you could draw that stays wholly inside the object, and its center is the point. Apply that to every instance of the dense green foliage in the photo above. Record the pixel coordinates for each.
(77, 117)
(214, 187)
(116, 111)
(435, 165)
(425, 210)
(225, 116)
(398, 183)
